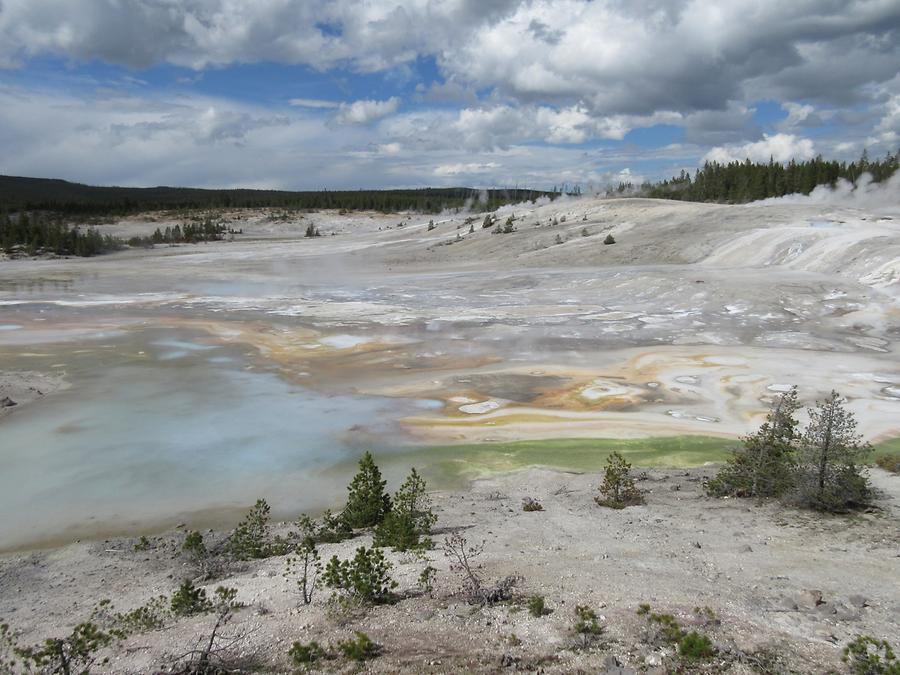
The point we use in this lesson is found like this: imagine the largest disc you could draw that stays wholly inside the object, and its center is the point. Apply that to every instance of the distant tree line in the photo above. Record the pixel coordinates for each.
(191, 233)
(740, 182)
(74, 199)
(35, 233)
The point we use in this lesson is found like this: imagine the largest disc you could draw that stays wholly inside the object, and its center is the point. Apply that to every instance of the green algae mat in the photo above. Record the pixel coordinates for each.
(455, 464)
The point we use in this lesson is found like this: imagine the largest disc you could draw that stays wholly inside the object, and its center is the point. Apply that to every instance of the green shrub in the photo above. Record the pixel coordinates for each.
(536, 606)
(587, 628)
(143, 544)
(332, 529)
(365, 578)
(306, 655)
(398, 531)
(531, 504)
(409, 519)
(74, 653)
(669, 627)
(150, 616)
(249, 540)
(358, 648)
(889, 463)
(661, 627)
(870, 656)
(618, 489)
(586, 621)
(189, 599)
(329, 529)
(225, 597)
(763, 465)
(306, 565)
(367, 501)
(695, 646)
(193, 545)
(426, 579)
(828, 476)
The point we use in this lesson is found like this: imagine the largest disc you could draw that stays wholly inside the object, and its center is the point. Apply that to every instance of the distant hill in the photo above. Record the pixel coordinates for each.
(31, 194)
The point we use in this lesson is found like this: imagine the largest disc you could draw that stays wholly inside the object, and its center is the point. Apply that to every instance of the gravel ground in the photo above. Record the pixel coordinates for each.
(787, 588)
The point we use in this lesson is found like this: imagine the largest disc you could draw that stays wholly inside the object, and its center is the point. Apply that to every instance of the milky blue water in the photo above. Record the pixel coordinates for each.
(169, 429)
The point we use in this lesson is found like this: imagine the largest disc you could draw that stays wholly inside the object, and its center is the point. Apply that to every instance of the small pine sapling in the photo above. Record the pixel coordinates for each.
(618, 489)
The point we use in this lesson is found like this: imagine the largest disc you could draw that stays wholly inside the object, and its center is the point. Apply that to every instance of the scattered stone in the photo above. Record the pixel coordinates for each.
(7, 402)
(844, 613)
(611, 666)
(509, 661)
(808, 600)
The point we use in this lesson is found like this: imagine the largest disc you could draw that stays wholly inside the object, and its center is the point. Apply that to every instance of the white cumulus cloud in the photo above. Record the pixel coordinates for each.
(366, 111)
(780, 147)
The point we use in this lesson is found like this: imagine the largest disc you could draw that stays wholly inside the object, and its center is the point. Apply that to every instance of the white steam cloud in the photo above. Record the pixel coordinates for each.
(865, 193)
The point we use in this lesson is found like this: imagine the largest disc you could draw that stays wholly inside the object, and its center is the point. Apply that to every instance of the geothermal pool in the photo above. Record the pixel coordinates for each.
(158, 427)
(202, 377)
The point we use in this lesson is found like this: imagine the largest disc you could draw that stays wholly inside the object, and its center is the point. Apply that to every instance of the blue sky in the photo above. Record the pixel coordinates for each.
(305, 94)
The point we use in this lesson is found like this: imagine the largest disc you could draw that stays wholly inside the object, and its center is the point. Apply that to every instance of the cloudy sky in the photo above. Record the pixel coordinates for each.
(306, 94)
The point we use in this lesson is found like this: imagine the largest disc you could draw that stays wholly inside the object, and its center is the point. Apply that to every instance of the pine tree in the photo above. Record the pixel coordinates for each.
(618, 489)
(762, 466)
(410, 517)
(367, 502)
(828, 475)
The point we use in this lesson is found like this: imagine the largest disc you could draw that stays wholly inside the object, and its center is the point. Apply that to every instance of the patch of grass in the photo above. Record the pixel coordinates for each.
(306, 655)
(359, 648)
(890, 447)
(453, 464)
(537, 607)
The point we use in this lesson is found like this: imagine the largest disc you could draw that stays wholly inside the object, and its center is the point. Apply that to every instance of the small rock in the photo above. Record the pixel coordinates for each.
(808, 599)
(508, 660)
(844, 613)
(611, 666)
(7, 402)
(745, 549)
(858, 601)
(652, 660)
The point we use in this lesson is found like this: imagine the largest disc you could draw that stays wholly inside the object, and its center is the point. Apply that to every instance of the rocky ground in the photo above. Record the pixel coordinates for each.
(787, 589)
(19, 388)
